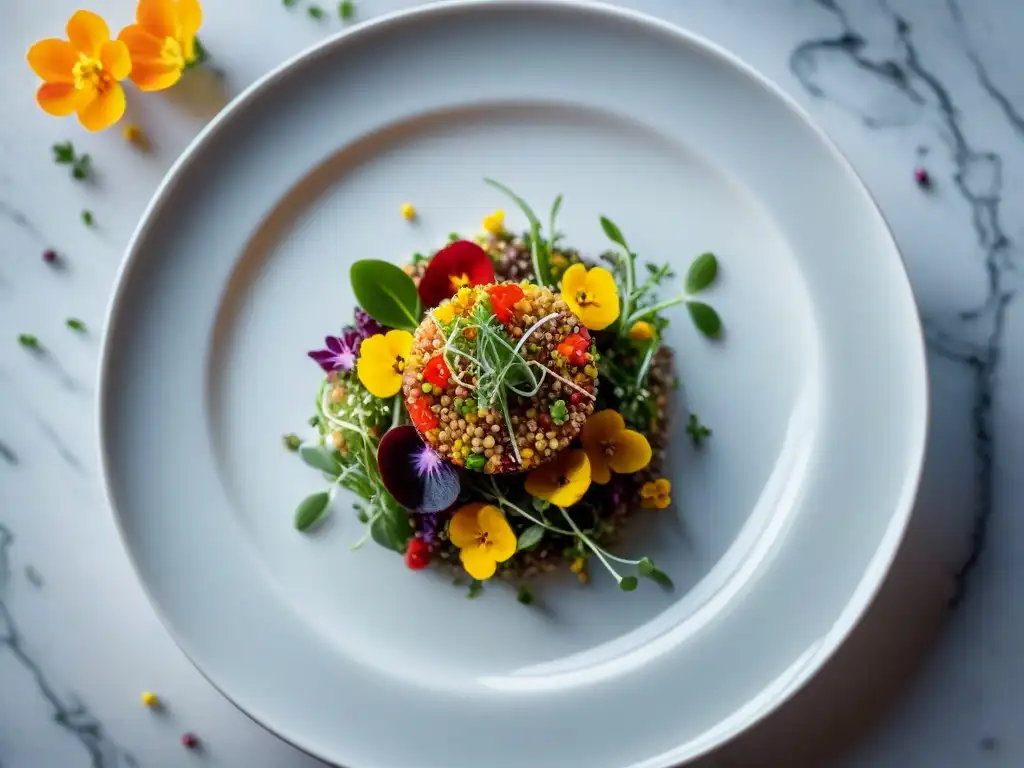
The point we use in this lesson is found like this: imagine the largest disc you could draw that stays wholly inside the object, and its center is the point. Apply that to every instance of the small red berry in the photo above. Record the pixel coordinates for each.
(574, 398)
(417, 555)
(189, 740)
(49, 256)
(544, 420)
(921, 177)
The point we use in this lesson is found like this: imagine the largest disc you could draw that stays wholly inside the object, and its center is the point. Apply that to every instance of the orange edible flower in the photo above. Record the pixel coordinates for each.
(613, 448)
(162, 41)
(82, 74)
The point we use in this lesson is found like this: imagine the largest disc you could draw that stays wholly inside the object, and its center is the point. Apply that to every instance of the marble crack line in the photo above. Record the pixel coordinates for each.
(912, 78)
(71, 716)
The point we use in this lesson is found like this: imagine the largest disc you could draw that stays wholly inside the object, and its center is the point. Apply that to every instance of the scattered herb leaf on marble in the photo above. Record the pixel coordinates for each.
(87, 218)
(75, 324)
(28, 341)
(315, 12)
(702, 273)
(696, 430)
(311, 510)
(346, 9)
(705, 318)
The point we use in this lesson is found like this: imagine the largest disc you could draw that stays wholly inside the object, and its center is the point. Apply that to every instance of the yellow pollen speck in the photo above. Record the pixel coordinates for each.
(133, 135)
(408, 211)
(150, 699)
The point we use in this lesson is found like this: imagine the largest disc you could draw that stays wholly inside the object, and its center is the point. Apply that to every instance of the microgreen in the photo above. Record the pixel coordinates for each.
(289, 3)
(318, 457)
(524, 595)
(315, 12)
(705, 318)
(386, 293)
(540, 248)
(702, 273)
(346, 10)
(75, 324)
(87, 218)
(292, 442)
(29, 341)
(647, 569)
(696, 430)
(475, 588)
(312, 510)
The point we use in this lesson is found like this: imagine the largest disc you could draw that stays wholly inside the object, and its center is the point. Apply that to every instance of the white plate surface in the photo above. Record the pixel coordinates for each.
(783, 526)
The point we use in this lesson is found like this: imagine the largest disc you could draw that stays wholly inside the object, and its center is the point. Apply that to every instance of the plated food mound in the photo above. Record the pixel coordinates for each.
(501, 377)
(501, 407)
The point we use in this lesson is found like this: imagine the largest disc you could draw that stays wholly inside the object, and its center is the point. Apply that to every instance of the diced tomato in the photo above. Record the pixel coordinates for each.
(436, 372)
(421, 415)
(503, 297)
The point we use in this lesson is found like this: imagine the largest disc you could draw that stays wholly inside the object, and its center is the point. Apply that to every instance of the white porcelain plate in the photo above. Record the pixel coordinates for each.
(783, 526)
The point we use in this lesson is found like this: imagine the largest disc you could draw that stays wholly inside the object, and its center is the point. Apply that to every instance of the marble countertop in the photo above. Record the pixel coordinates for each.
(930, 678)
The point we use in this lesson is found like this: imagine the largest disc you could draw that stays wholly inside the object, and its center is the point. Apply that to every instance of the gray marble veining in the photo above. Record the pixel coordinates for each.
(898, 83)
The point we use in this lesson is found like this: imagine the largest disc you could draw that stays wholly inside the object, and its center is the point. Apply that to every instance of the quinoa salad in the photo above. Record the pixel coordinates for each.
(501, 406)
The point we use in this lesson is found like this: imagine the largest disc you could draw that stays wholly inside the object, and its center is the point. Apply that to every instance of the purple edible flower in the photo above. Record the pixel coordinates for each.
(415, 474)
(430, 526)
(366, 325)
(341, 351)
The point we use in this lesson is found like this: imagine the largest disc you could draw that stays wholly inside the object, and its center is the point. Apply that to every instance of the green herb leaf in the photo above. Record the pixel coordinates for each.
(64, 154)
(28, 341)
(696, 430)
(613, 232)
(75, 325)
(628, 583)
(541, 505)
(311, 510)
(82, 168)
(315, 12)
(318, 457)
(540, 250)
(475, 588)
(386, 293)
(292, 442)
(390, 527)
(705, 318)
(346, 9)
(87, 218)
(289, 3)
(559, 412)
(530, 538)
(524, 596)
(703, 272)
(199, 55)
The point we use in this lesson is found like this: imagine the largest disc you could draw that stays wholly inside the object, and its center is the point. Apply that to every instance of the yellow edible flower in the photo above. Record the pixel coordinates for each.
(641, 331)
(162, 41)
(445, 313)
(655, 495)
(613, 448)
(563, 480)
(495, 222)
(591, 295)
(82, 74)
(382, 360)
(484, 538)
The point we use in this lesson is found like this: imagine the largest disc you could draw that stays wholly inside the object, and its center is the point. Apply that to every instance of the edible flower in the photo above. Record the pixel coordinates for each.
(655, 495)
(503, 297)
(563, 480)
(613, 448)
(382, 361)
(484, 538)
(341, 351)
(591, 295)
(82, 74)
(366, 325)
(163, 41)
(461, 264)
(436, 372)
(415, 474)
(641, 331)
(445, 313)
(494, 222)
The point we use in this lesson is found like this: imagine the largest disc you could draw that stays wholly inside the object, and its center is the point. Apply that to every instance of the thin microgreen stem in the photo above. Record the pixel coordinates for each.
(586, 540)
(653, 309)
(498, 497)
(396, 411)
(645, 366)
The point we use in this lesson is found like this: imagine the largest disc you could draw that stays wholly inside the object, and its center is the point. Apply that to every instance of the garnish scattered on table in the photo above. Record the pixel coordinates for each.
(501, 406)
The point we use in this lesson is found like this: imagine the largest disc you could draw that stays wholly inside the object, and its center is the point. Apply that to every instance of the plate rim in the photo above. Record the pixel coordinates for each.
(877, 568)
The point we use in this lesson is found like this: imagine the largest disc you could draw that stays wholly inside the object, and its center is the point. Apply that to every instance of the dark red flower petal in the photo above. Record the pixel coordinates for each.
(503, 297)
(422, 486)
(460, 258)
